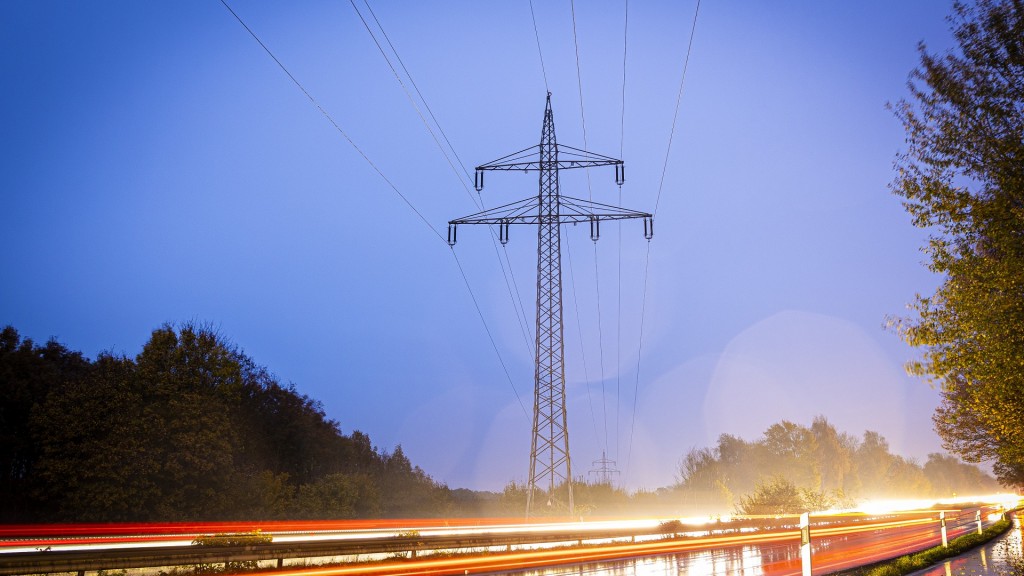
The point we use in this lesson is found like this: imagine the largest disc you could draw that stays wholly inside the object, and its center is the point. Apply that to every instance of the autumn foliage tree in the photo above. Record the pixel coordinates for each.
(962, 178)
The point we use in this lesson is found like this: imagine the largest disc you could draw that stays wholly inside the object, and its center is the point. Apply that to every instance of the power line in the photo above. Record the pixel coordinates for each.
(618, 338)
(412, 101)
(639, 355)
(622, 119)
(540, 53)
(391, 185)
(489, 336)
(643, 308)
(418, 93)
(579, 330)
(475, 199)
(590, 193)
(675, 115)
(333, 123)
(579, 85)
(522, 320)
(618, 309)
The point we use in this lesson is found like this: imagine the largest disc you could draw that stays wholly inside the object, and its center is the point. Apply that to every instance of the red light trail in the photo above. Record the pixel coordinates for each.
(763, 546)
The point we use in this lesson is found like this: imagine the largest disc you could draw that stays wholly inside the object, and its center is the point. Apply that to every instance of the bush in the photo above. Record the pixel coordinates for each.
(232, 539)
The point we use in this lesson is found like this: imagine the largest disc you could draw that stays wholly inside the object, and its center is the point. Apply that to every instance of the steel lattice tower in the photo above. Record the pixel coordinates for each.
(550, 463)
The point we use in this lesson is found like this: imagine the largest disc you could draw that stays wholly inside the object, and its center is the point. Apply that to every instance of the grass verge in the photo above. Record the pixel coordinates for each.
(925, 558)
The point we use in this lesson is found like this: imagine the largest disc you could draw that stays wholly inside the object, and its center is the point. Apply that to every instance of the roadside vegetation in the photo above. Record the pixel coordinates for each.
(961, 177)
(794, 468)
(957, 546)
(193, 429)
(189, 429)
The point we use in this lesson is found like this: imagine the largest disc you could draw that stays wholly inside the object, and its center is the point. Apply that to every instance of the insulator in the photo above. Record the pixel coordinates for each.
(478, 180)
(452, 233)
(649, 228)
(595, 229)
(503, 232)
(620, 173)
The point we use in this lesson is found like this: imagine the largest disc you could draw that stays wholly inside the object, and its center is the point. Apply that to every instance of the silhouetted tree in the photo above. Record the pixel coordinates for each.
(190, 429)
(28, 374)
(340, 496)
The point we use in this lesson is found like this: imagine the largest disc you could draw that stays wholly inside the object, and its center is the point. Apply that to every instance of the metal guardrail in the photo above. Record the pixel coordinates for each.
(43, 562)
(64, 561)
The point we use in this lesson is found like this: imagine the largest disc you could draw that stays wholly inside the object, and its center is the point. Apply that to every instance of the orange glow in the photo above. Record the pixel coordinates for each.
(840, 540)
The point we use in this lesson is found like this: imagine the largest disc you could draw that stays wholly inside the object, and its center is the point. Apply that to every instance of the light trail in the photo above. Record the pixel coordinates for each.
(840, 540)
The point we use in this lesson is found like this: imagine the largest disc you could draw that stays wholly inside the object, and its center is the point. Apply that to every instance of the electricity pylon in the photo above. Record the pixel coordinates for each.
(605, 471)
(549, 447)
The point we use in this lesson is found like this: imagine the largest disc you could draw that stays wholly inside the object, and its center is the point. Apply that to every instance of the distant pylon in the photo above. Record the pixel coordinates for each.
(549, 447)
(605, 471)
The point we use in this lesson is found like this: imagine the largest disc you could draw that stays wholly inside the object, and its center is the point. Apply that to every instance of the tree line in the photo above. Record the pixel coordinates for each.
(189, 429)
(193, 429)
(815, 468)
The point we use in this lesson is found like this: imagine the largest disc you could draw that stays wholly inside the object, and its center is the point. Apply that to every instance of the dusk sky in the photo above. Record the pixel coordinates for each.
(159, 167)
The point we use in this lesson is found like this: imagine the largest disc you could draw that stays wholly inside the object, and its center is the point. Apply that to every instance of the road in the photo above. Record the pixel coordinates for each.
(768, 546)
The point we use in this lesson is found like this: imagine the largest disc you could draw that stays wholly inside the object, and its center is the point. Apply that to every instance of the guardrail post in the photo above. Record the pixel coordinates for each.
(977, 517)
(942, 522)
(805, 543)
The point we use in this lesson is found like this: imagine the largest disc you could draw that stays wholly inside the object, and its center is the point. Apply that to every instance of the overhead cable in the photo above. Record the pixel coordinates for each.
(391, 185)
(643, 309)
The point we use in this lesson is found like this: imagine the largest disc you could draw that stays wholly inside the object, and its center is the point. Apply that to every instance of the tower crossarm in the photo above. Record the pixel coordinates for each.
(570, 211)
(574, 210)
(529, 159)
(565, 158)
(519, 212)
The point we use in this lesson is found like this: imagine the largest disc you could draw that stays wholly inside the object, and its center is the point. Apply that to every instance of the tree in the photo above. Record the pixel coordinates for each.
(94, 438)
(193, 380)
(774, 496)
(791, 453)
(703, 481)
(905, 478)
(832, 454)
(962, 177)
(189, 429)
(872, 460)
(741, 461)
(340, 496)
(949, 476)
(28, 374)
(409, 490)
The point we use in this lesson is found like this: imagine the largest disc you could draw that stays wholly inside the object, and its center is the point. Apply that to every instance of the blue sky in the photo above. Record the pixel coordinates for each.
(159, 167)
